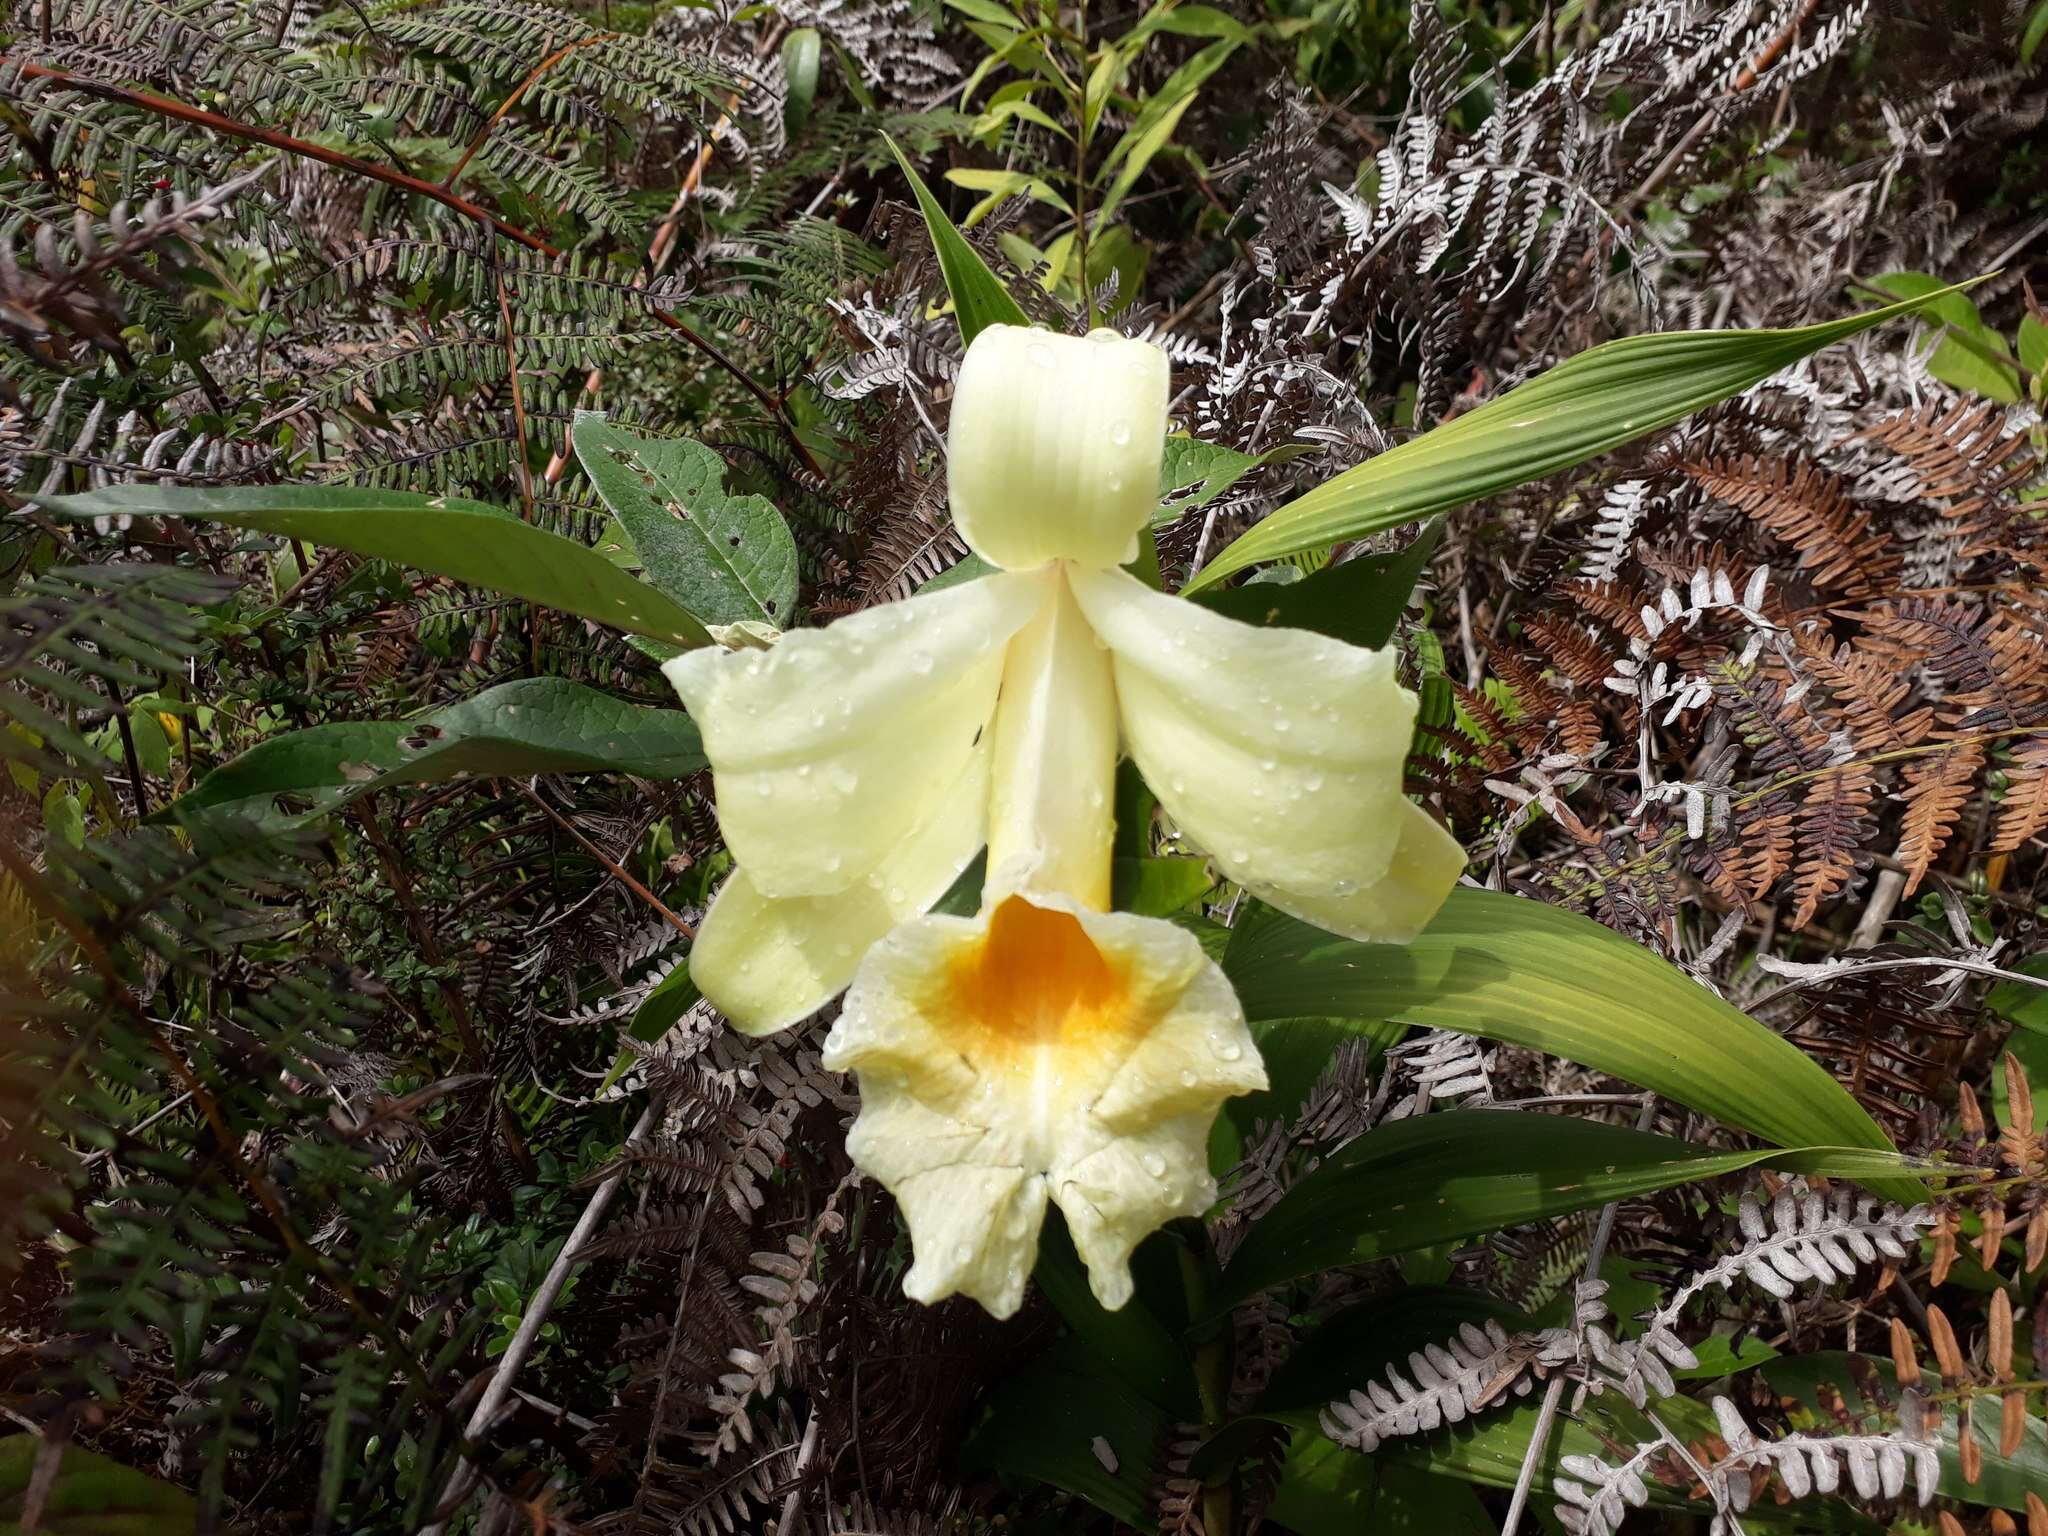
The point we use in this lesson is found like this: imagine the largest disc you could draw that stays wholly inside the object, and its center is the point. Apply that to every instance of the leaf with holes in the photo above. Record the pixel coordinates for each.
(726, 558)
(534, 725)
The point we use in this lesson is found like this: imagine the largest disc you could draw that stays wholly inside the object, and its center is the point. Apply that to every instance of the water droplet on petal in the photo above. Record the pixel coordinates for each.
(1188, 1078)
(1120, 433)
(962, 1253)
(1040, 354)
(1154, 1164)
(920, 662)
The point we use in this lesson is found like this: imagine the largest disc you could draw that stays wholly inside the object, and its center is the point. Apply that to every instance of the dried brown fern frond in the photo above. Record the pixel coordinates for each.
(2023, 812)
(1938, 789)
(1965, 460)
(1811, 510)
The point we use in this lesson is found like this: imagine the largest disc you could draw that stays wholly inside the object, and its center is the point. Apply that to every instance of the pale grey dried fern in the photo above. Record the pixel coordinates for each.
(1801, 1237)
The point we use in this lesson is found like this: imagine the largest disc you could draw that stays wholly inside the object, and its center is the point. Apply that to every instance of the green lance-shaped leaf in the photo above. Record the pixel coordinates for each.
(1530, 974)
(534, 725)
(469, 541)
(1438, 1178)
(90, 1495)
(726, 558)
(1606, 396)
(1359, 601)
(979, 297)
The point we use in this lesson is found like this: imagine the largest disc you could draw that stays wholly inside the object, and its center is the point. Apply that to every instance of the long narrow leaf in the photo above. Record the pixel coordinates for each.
(1517, 970)
(979, 297)
(531, 725)
(1438, 1178)
(470, 541)
(1604, 397)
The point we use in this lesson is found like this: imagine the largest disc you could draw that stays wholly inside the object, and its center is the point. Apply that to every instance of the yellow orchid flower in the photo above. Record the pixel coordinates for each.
(1048, 1048)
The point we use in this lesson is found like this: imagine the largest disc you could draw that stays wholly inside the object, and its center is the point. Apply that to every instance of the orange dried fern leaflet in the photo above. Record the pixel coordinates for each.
(1964, 461)
(1811, 510)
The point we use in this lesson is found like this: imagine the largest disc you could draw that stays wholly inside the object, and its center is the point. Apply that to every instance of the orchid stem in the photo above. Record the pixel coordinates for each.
(1213, 1367)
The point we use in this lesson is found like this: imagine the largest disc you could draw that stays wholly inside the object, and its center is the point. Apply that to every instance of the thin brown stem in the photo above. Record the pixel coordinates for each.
(768, 402)
(165, 106)
(617, 872)
(512, 100)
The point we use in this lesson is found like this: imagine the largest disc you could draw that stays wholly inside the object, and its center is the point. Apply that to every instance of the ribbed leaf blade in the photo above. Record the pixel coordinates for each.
(1440, 1177)
(1531, 974)
(1606, 396)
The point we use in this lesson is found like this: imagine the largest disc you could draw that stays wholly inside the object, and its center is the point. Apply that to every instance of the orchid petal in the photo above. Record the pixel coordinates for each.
(1280, 752)
(1039, 1051)
(1054, 446)
(1396, 907)
(827, 748)
(1052, 815)
(766, 962)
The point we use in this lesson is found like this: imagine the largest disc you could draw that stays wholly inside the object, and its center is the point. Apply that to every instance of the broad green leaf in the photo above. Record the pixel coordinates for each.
(672, 997)
(1193, 473)
(1173, 96)
(466, 540)
(1440, 1177)
(999, 113)
(91, 1495)
(1131, 1342)
(1971, 356)
(726, 558)
(1154, 887)
(1000, 185)
(800, 55)
(1188, 21)
(2024, 1005)
(987, 11)
(533, 725)
(2036, 29)
(1604, 397)
(1067, 1420)
(1358, 601)
(1531, 974)
(1107, 74)
(2033, 340)
(1320, 1494)
(979, 298)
